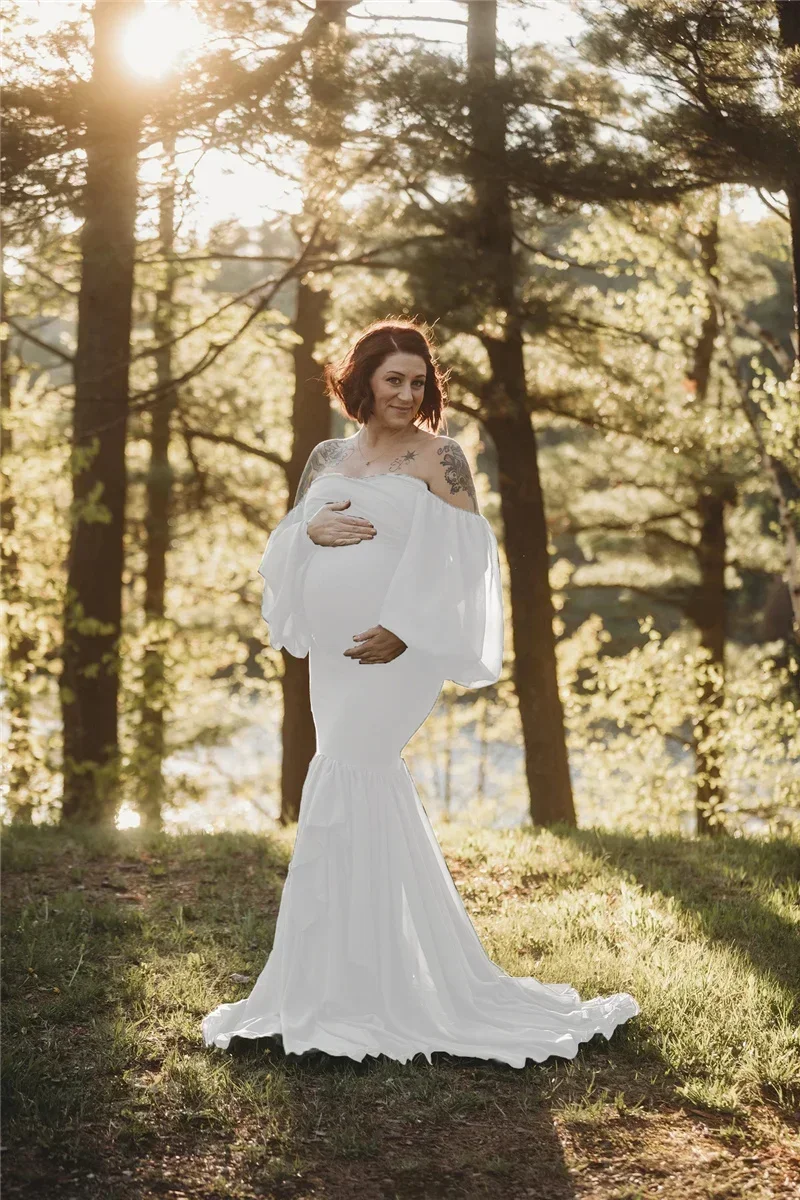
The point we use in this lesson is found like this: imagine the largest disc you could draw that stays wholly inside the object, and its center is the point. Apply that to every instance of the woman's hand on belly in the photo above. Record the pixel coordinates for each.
(329, 527)
(377, 645)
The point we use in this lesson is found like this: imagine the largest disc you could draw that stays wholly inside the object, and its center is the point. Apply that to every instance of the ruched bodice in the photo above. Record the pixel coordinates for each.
(344, 586)
(374, 496)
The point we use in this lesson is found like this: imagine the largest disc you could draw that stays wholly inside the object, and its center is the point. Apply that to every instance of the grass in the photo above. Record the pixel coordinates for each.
(116, 946)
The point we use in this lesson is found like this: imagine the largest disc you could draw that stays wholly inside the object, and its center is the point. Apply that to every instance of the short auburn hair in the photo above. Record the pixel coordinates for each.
(348, 380)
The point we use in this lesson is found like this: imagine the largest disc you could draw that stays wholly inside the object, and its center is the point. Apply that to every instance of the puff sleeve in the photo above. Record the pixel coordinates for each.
(283, 566)
(445, 597)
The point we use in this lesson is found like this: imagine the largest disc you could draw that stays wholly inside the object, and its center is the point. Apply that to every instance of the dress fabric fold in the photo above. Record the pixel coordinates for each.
(282, 568)
(445, 597)
(374, 952)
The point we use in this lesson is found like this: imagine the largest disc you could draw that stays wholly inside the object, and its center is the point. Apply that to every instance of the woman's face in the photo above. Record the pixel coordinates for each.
(398, 386)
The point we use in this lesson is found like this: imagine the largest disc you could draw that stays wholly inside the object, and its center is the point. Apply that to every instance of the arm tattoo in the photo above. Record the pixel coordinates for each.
(326, 454)
(457, 474)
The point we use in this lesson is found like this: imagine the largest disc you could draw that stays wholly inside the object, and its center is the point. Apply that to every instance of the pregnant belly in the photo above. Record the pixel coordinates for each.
(344, 590)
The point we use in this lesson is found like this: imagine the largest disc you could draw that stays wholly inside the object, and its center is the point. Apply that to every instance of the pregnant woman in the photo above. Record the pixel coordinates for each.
(386, 575)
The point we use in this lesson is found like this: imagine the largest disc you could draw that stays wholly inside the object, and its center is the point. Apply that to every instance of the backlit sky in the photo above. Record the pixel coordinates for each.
(225, 186)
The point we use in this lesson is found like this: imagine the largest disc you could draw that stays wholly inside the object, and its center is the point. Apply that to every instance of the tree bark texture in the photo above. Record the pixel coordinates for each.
(508, 421)
(710, 615)
(709, 602)
(784, 481)
(789, 29)
(311, 411)
(311, 422)
(92, 612)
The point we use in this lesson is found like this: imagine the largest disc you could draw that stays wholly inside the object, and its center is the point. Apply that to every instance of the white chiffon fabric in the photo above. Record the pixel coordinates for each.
(374, 952)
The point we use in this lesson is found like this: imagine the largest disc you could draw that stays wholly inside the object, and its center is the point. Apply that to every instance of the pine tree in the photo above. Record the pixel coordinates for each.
(726, 77)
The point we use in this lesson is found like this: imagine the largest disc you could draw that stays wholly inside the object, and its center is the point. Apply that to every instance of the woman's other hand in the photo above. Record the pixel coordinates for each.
(329, 528)
(378, 645)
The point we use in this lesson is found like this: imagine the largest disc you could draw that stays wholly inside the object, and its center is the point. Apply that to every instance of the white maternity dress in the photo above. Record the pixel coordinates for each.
(374, 952)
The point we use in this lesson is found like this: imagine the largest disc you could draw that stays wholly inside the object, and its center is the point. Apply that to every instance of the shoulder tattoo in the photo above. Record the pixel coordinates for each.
(453, 461)
(322, 457)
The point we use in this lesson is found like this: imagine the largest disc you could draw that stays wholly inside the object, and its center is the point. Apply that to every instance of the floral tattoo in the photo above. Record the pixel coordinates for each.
(457, 474)
(325, 455)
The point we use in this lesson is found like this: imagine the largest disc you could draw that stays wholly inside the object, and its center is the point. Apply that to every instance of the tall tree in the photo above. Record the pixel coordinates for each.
(789, 28)
(508, 421)
(93, 610)
(696, 454)
(709, 608)
(728, 77)
(786, 483)
(311, 411)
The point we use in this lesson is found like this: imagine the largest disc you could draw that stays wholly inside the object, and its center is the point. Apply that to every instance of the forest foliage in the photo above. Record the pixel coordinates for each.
(652, 300)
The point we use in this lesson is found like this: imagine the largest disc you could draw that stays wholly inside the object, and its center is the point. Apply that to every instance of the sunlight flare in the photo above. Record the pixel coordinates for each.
(157, 38)
(128, 818)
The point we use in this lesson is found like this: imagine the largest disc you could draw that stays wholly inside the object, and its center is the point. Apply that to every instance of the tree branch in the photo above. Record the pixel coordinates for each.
(676, 600)
(224, 439)
(634, 527)
(30, 337)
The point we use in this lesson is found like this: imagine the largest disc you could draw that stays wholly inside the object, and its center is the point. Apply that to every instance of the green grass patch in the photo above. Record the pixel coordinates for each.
(116, 945)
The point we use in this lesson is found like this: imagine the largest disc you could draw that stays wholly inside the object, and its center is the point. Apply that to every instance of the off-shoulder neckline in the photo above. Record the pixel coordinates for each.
(395, 475)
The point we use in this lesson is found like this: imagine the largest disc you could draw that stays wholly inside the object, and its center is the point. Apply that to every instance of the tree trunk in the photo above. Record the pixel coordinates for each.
(93, 606)
(709, 602)
(18, 644)
(311, 422)
(508, 421)
(783, 480)
(532, 612)
(159, 499)
(483, 748)
(789, 29)
(710, 614)
(311, 417)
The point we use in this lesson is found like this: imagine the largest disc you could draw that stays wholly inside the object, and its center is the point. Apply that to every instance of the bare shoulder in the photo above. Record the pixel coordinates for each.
(330, 453)
(448, 474)
(324, 457)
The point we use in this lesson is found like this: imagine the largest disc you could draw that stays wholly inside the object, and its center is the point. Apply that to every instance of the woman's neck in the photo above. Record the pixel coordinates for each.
(377, 440)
